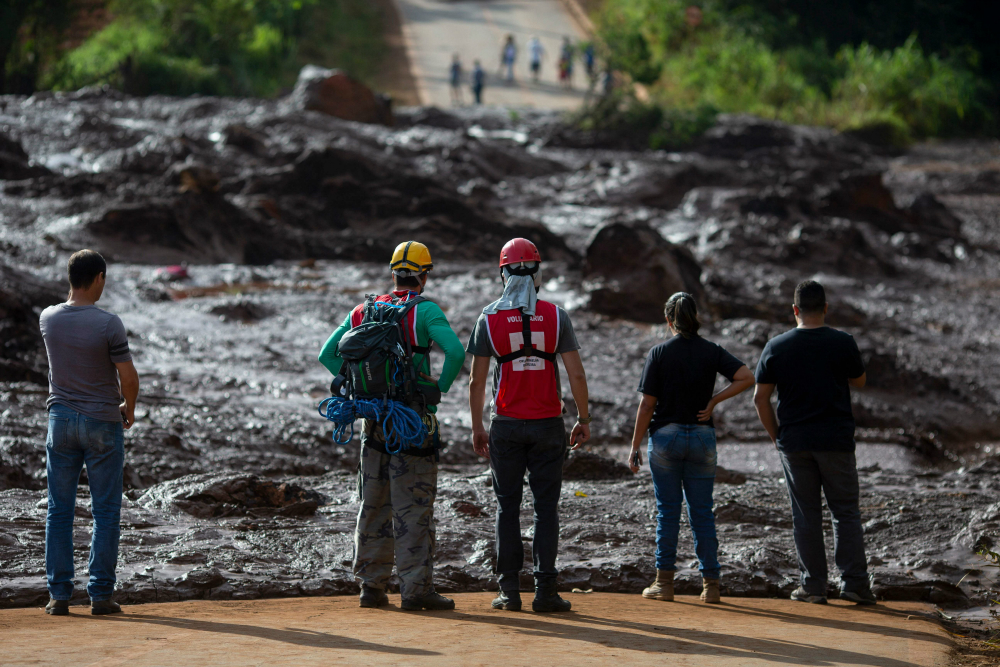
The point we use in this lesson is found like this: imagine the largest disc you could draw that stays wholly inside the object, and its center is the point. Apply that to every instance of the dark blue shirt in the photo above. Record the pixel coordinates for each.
(810, 368)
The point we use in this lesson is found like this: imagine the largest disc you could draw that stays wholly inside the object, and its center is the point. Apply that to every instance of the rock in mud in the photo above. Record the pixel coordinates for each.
(241, 310)
(902, 588)
(631, 271)
(14, 162)
(22, 298)
(190, 227)
(339, 95)
(225, 495)
(589, 466)
(724, 476)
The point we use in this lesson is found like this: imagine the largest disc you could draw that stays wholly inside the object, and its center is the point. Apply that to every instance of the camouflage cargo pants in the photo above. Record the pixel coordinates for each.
(396, 521)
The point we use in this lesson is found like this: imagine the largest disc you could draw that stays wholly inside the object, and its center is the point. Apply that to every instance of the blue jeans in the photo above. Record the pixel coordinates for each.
(682, 460)
(75, 440)
(836, 474)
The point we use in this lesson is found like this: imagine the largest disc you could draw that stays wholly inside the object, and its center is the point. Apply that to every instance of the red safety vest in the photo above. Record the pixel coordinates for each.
(526, 388)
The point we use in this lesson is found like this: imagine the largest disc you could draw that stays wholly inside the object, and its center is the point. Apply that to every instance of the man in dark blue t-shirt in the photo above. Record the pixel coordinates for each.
(813, 367)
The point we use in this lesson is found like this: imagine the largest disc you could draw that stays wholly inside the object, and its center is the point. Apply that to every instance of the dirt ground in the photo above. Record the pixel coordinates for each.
(601, 629)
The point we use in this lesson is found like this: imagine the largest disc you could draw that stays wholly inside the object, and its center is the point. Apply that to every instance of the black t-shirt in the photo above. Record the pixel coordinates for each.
(680, 373)
(810, 368)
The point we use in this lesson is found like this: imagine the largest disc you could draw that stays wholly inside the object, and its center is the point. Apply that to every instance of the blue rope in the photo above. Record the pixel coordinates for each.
(402, 427)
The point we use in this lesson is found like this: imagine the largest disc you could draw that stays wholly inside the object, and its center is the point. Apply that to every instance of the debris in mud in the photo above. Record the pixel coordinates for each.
(900, 587)
(211, 496)
(14, 162)
(586, 465)
(22, 298)
(725, 476)
(241, 310)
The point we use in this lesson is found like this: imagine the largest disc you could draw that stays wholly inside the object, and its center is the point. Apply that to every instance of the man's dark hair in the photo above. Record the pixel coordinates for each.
(410, 282)
(84, 266)
(810, 297)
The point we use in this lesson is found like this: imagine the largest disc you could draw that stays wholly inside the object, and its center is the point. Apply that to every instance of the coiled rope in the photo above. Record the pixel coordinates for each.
(402, 427)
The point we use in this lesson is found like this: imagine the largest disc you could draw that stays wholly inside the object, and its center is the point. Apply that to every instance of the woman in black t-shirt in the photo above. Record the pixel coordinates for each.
(677, 384)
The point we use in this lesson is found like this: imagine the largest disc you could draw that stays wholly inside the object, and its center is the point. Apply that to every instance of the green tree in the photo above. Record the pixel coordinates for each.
(25, 24)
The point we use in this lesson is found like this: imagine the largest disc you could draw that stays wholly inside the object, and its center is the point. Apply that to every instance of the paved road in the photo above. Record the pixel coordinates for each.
(437, 29)
(604, 629)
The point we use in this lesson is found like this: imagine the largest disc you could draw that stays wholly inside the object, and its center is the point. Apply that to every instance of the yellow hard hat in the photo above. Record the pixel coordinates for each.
(411, 257)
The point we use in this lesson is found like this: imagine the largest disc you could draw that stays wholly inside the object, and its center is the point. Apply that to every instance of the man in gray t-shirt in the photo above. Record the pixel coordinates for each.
(83, 344)
(93, 386)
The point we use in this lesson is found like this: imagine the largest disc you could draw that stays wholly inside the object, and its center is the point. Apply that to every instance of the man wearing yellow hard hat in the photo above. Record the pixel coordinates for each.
(396, 518)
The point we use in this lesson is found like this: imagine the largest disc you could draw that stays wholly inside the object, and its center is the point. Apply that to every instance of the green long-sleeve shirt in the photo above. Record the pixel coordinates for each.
(432, 325)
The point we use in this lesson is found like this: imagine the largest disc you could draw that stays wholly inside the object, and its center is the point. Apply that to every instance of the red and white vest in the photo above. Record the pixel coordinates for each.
(526, 388)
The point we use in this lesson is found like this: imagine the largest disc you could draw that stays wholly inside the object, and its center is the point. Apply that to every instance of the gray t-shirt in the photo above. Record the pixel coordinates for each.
(480, 346)
(83, 344)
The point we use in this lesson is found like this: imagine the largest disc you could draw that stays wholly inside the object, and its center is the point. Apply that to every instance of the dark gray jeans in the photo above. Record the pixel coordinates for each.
(836, 473)
(538, 446)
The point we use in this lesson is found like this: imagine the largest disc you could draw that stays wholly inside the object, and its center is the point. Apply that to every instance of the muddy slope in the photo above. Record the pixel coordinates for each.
(285, 220)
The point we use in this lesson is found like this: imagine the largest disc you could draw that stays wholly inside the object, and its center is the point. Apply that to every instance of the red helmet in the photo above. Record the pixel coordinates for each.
(519, 250)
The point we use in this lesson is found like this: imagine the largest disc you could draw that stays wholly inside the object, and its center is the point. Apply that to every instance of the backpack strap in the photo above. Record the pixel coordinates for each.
(422, 349)
(401, 315)
(528, 349)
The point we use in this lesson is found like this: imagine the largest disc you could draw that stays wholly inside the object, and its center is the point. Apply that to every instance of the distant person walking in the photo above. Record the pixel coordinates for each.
(589, 63)
(813, 368)
(566, 63)
(536, 52)
(677, 385)
(478, 81)
(455, 78)
(508, 55)
(93, 387)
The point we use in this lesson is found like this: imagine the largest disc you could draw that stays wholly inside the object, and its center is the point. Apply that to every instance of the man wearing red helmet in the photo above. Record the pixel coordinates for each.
(524, 334)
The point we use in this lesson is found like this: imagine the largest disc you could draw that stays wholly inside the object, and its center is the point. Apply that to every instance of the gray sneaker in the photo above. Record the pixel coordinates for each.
(802, 595)
(861, 597)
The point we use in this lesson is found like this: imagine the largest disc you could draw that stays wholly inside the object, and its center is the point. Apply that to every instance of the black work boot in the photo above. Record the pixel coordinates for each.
(547, 599)
(431, 602)
(372, 597)
(57, 607)
(863, 596)
(507, 600)
(101, 607)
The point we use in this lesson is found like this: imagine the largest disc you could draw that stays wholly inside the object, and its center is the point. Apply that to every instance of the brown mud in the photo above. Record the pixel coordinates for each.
(285, 219)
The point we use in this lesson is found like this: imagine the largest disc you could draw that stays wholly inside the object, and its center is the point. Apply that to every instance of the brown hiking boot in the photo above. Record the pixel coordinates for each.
(57, 607)
(662, 588)
(710, 591)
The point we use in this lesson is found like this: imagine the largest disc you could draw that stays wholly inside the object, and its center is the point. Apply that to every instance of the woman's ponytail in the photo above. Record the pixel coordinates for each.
(682, 314)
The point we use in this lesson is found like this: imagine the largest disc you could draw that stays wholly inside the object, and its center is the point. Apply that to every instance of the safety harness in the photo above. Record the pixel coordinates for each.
(529, 349)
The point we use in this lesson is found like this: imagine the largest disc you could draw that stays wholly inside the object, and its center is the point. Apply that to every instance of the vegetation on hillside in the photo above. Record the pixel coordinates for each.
(782, 59)
(29, 31)
(218, 47)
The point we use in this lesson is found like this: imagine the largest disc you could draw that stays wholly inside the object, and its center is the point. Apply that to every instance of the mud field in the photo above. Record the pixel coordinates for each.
(286, 218)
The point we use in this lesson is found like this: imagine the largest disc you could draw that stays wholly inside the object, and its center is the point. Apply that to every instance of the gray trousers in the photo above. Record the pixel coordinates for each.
(836, 474)
(396, 521)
